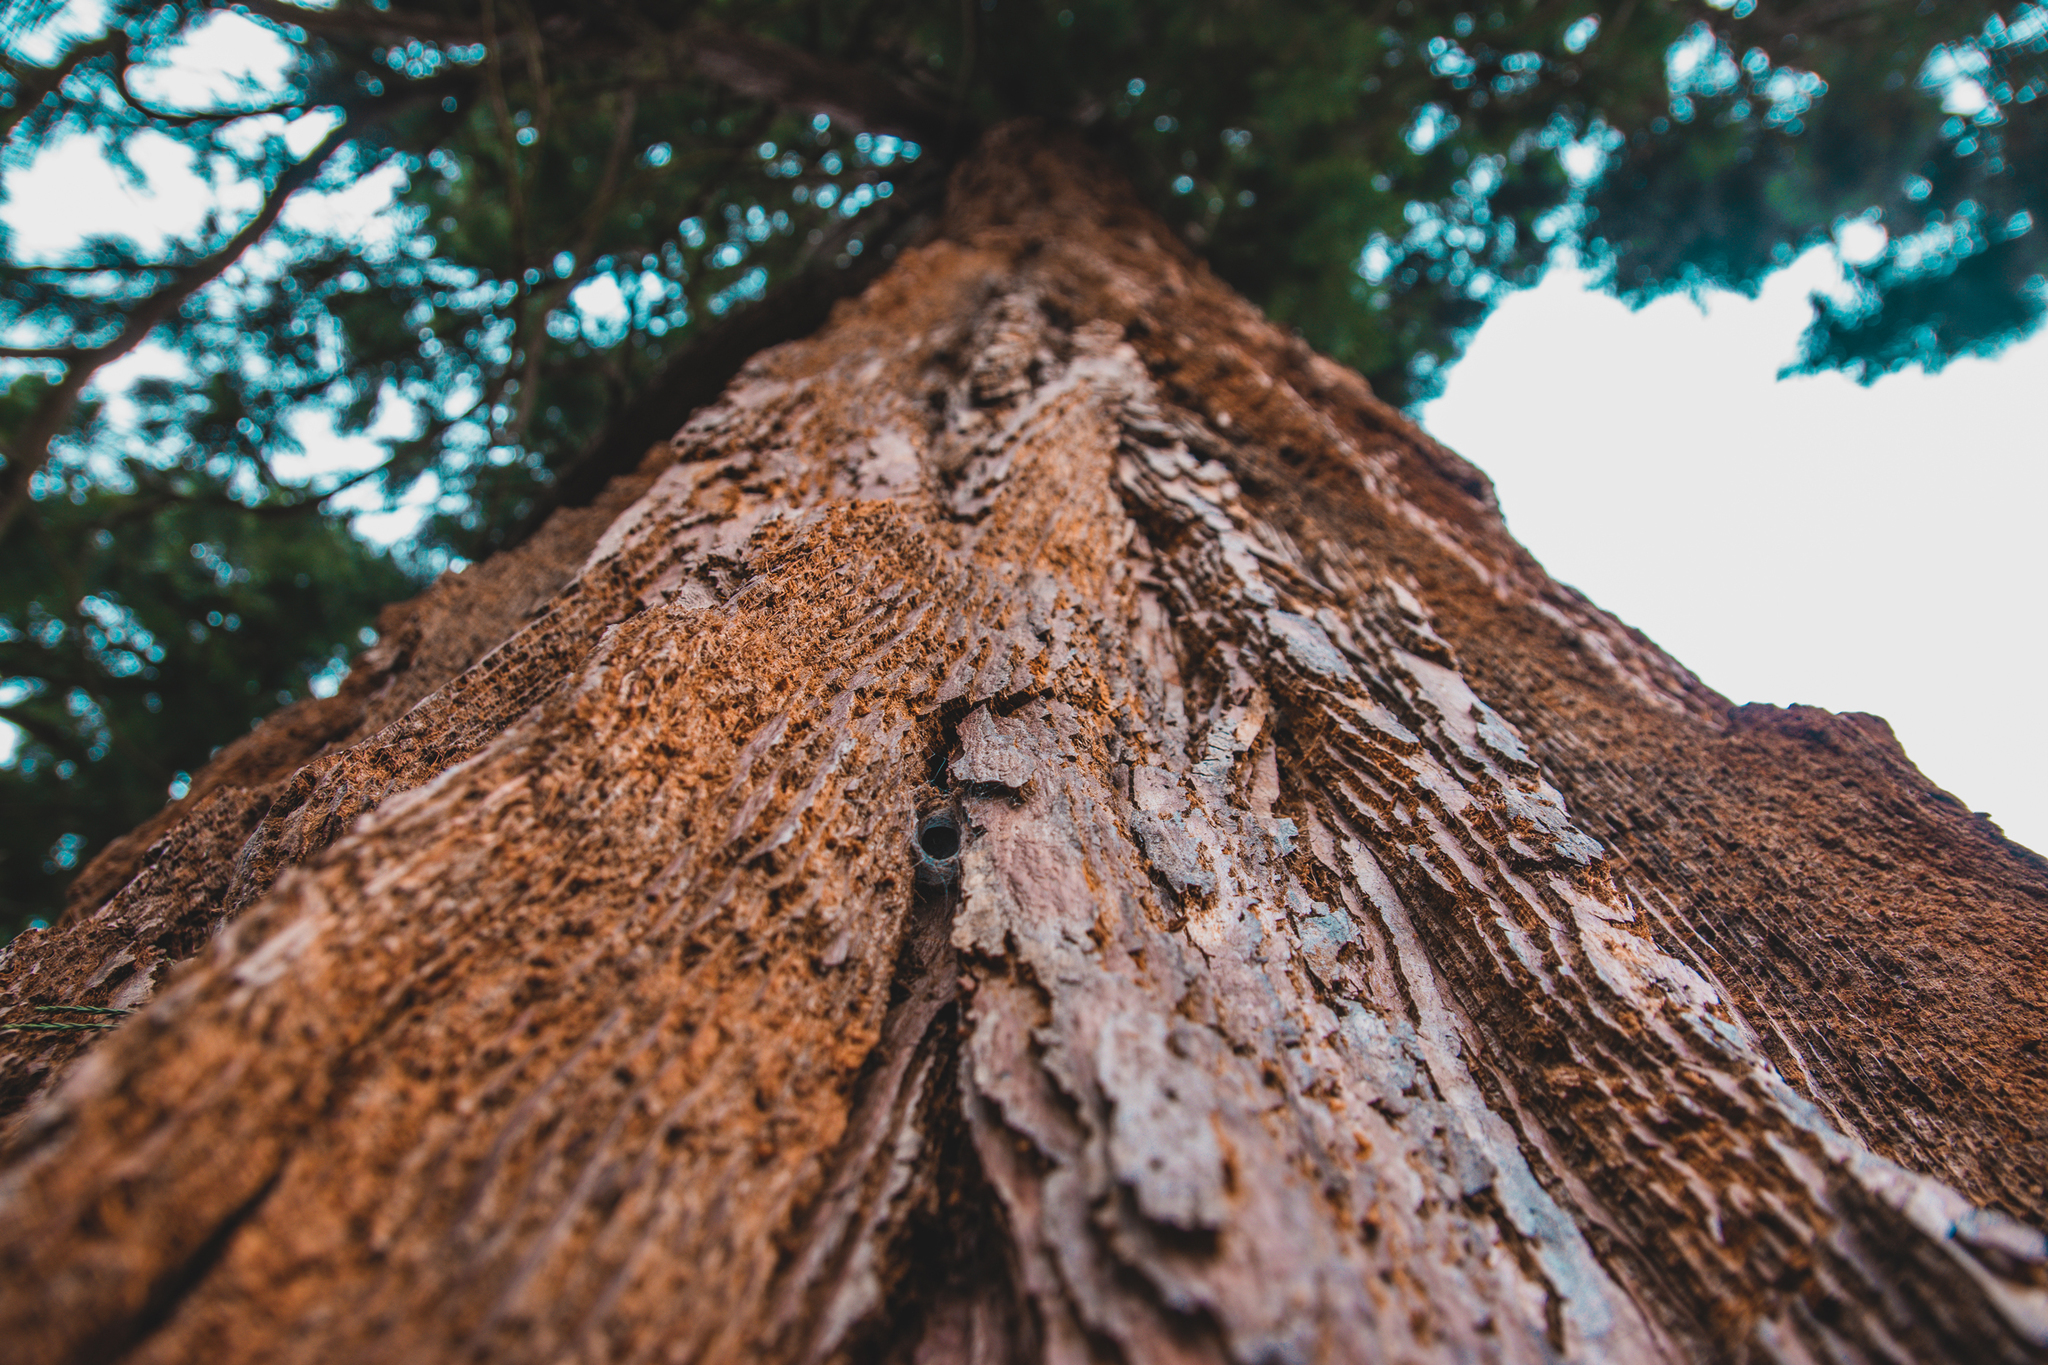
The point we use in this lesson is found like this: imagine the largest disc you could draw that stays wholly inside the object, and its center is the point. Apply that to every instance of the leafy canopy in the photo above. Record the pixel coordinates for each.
(586, 214)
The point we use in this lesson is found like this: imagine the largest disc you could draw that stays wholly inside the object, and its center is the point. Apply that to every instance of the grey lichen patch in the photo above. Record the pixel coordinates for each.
(1307, 643)
(1161, 832)
(1162, 1142)
(986, 905)
(1158, 791)
(1170, 849)
(993, 752)
(1323, 937)
(1390, 1057)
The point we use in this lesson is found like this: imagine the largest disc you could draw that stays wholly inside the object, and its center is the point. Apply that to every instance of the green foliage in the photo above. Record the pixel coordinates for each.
(144, 628)
(574, 194)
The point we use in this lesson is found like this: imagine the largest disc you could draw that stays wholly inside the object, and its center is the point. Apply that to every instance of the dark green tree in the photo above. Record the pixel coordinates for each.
(601, 209)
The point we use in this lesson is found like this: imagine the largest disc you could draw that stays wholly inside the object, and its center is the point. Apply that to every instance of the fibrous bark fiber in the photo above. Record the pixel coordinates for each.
(1357, 946)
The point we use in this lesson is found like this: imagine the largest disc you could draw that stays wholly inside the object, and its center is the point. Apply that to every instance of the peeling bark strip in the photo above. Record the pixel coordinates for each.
(600, 991)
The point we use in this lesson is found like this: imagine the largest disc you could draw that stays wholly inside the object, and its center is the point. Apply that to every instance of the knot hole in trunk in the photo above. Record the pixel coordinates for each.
(937, 849)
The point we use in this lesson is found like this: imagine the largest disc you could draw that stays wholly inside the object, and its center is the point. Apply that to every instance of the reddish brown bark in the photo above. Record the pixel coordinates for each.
(1359, 946)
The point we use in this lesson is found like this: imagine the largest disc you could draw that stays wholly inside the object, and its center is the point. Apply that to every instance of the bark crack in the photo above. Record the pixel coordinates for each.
(121, 1339)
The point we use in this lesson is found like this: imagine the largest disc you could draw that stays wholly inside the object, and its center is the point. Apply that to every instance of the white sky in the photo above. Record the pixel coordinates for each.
(1806, 540)
(1799, 540)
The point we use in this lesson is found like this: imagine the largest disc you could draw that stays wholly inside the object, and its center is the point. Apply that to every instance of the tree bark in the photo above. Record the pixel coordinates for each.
(1050, 825)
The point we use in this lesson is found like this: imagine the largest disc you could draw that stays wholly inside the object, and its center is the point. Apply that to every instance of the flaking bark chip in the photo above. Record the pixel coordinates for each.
(993, 752)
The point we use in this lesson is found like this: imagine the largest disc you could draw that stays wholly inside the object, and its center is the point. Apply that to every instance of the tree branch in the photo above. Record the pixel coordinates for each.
(398, 24)
(172, 120)
(54, 737)
(758, 68)
(30, 448)
(494, 85)
(608, 183)
(64, 353)
(38, 81)
(585, 246)
(163, 495)
(126, 62)
(763, 69)
(121, 268)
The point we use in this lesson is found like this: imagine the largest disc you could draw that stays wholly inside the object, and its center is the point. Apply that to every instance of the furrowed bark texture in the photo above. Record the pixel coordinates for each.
(1358, 947)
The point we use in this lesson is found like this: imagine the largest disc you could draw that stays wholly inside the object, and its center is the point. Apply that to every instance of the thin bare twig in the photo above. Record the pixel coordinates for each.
(65, 353)
(36, 82)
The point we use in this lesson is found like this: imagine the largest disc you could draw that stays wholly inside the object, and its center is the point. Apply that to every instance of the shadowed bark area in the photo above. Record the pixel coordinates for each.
(1051, 826)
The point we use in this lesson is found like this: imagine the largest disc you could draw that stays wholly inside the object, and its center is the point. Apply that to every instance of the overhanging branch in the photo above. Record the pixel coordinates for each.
(758, 68)
(68, 354)
(29, 451)
(36, 82)
(775, 72)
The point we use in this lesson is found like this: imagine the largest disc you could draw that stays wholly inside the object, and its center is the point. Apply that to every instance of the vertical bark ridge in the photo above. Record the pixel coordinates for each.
(1278, 1004)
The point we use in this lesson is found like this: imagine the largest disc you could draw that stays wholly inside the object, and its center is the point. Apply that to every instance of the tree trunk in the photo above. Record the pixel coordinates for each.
(1049, 825)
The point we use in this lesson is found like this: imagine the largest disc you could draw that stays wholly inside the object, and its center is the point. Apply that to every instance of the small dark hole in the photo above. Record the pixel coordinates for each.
(940, 840)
